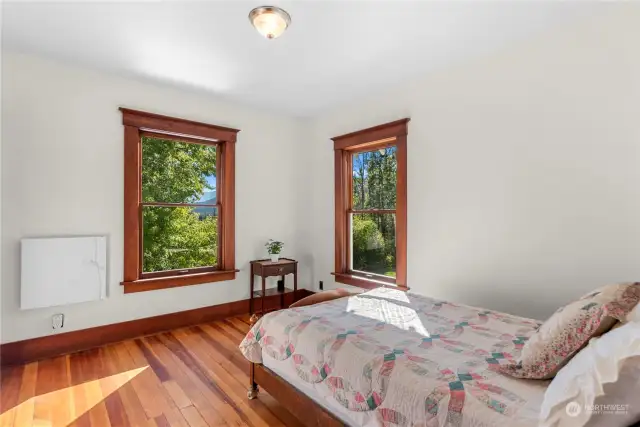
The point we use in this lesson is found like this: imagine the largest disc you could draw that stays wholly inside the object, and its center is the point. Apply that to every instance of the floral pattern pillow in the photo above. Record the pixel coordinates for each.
(571, 327)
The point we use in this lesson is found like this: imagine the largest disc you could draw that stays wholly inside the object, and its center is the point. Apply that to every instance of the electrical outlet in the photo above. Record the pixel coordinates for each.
(57, 321)
(321, 285)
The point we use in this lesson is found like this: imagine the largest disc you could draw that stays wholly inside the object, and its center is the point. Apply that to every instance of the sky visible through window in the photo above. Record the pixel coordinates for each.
(208, 195)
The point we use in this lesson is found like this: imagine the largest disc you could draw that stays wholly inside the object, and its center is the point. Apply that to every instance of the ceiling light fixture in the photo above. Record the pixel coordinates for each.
(270, 21)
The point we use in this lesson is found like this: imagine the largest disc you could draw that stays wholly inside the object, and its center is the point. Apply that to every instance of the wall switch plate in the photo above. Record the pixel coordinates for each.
(57, 321)
(321, 285)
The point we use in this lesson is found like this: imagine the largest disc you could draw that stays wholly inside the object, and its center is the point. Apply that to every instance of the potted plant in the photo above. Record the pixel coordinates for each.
(274, 248)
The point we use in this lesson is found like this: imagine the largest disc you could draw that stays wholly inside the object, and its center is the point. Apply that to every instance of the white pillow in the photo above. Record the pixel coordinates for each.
(634, 316)
(605, 372)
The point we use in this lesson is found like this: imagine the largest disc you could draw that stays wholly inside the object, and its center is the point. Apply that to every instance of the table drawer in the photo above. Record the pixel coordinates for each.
(278, 270)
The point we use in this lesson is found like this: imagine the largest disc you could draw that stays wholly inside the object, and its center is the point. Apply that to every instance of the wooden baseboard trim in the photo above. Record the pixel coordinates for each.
(19, 352)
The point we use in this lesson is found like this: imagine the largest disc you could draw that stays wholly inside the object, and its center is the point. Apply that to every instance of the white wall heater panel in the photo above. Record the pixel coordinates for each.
(61, 271)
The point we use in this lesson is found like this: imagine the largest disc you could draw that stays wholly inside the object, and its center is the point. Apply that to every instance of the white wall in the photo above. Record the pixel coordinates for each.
(62, 174)
(523, 169)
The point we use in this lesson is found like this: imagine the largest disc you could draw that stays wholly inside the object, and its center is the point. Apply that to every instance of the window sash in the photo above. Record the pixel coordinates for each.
(186, 140)
(349, 249)
(181, 271)
(389, 142)
(368, 149)
(142, 204)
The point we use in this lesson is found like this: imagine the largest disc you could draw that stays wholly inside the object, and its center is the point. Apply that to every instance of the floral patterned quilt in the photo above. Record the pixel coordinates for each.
(412, 360)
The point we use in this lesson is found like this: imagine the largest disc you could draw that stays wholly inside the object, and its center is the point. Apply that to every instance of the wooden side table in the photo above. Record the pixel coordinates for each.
(265, 268)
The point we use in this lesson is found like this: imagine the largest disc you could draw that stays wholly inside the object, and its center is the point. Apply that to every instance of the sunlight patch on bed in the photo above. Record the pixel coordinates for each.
(400, 316)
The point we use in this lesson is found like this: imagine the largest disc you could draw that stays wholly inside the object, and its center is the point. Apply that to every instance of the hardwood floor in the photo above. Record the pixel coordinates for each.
(190, 377)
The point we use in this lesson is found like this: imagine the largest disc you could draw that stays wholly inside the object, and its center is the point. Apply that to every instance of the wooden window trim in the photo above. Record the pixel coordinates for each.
(362, 282)
(389, 134)
(138, 124)
(171, 125)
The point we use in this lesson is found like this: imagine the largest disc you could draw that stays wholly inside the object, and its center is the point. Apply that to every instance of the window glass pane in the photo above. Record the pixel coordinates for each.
(373, 243)
(178, 172)
(374, 179)
(179, 238)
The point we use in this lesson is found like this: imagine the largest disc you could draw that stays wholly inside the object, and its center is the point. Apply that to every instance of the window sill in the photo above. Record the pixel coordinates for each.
(366, 283)
(144, 285)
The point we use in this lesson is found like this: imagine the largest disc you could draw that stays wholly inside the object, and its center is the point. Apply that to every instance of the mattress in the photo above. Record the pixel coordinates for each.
(390, 358)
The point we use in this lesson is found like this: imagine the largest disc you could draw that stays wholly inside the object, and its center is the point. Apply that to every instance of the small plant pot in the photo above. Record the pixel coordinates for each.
(275, 257)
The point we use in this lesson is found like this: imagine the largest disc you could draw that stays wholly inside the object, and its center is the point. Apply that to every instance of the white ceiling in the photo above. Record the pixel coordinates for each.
(332, 52)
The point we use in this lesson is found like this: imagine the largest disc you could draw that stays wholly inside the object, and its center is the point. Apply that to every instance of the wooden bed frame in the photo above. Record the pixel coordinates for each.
(299, 404)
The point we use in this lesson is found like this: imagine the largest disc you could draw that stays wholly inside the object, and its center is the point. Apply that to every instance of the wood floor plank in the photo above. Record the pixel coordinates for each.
(152, 360)
(233, 362)
(142, 383)
(128, 396)
(254, 411)
(228, 331)
(223, 346)
(177, 394)
(10, 383)
(241, 329)
(91, 368)
(115, 411)
(211, 407)
(53, 393)
(80, 403)
(245, 318)
(161, 421)
(26, 407)
(63, 412)
(110, 382)
(241, 324)
(193, 417)
(204, 383)
(154, 386)
(188, 377)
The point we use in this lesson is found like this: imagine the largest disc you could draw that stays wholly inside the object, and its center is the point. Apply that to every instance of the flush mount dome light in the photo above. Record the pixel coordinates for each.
(270, 21)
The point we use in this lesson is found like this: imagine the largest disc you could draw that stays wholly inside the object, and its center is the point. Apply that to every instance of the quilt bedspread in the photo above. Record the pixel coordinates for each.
(413, 360)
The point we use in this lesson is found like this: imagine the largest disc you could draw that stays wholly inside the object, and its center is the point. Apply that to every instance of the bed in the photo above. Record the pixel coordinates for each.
(392, 358)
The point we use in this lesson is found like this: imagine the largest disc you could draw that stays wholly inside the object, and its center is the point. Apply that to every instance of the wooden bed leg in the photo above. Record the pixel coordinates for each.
(253, 387)
(253, 392)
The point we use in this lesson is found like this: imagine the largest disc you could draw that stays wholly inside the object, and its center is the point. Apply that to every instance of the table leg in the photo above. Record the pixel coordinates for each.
(264, 287)
(284, 285)
(251, 294)
(295, 282)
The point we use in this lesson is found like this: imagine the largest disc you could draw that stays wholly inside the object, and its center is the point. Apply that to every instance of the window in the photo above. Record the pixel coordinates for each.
(371, 206)
(179, 202)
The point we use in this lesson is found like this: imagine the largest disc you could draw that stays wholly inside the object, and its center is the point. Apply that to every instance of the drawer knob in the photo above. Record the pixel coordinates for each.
(280, 270)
